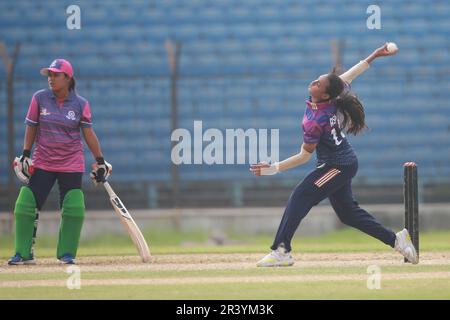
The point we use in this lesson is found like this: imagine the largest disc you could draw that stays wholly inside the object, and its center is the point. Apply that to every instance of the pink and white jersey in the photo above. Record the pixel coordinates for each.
(58, 145)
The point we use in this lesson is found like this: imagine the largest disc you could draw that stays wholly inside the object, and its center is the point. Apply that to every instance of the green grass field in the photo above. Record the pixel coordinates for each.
(188, 266)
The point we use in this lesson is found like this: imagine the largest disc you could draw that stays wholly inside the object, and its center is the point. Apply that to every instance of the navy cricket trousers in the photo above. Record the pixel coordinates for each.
(333, 182)
(42, 181)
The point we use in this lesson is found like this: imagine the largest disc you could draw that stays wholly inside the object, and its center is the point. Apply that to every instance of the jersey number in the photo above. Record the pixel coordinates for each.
(336, 138)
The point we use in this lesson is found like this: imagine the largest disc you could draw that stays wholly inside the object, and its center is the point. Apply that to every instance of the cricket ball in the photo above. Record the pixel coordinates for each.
(392, 47)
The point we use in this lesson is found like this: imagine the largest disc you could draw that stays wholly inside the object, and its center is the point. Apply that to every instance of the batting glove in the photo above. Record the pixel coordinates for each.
(23, 166)
(100, 171)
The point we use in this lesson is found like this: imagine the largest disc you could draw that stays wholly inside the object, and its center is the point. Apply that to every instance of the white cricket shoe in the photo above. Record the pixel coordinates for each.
(404, 245)
(277, 258)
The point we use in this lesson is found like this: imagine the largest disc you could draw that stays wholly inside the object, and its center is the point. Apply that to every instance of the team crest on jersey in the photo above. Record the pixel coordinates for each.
(333, 120)
(44, 112)
(71, 115)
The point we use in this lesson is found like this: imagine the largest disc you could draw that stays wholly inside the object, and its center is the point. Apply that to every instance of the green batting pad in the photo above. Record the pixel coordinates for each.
(24, 216)
(71, 223)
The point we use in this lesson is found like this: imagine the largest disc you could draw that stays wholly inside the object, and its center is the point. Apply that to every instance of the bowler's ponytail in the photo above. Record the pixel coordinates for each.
(348, 104)
(352, 111)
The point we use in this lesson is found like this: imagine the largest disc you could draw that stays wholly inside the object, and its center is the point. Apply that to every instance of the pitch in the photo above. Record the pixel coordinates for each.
(325, 268)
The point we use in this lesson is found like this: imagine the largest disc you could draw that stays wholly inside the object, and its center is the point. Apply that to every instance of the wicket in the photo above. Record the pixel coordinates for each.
(410, 195)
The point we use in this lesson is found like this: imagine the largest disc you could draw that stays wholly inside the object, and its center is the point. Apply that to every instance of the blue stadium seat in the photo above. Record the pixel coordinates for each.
(243, 64)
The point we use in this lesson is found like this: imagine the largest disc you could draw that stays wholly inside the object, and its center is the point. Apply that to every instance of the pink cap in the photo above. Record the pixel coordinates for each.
(59, 65)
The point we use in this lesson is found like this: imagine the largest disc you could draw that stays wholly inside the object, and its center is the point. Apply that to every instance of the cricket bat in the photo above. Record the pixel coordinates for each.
(129, 224)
